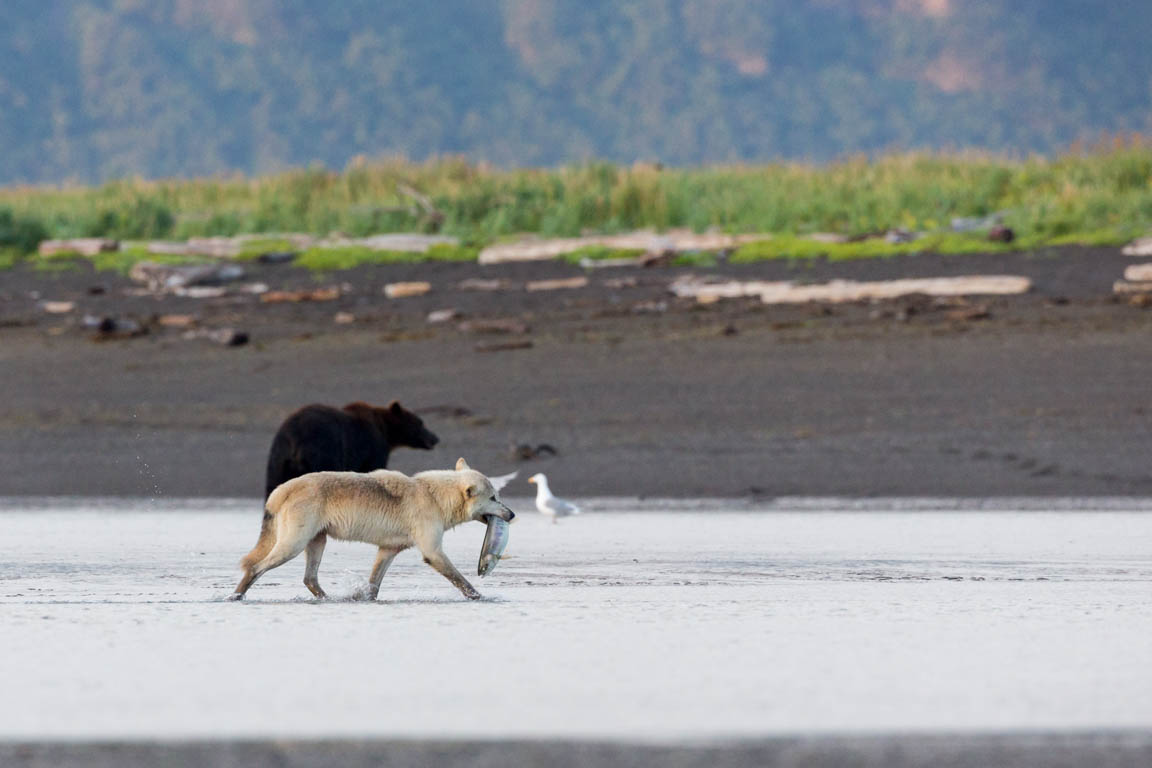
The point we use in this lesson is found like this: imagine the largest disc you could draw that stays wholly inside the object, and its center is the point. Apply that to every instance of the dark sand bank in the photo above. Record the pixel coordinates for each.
(1074, 750)
(639, 392)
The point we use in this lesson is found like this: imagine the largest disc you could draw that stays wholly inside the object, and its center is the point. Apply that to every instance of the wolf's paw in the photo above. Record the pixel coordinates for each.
(473, 595)
(235, 597)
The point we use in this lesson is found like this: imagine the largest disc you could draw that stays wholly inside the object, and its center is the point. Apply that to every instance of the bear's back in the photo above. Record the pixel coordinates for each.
(318, 438)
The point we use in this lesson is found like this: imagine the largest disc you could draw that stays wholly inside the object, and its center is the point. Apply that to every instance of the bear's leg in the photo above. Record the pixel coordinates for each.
(438, 560)
(314, 551)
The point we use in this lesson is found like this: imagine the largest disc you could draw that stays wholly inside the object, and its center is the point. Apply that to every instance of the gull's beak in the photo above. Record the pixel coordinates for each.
(532, 480)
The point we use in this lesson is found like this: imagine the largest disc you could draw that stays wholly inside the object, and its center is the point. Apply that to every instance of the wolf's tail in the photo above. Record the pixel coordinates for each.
(263, 544)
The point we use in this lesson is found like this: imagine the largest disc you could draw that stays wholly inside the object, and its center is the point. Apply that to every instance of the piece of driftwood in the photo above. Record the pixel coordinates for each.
(232, 247)
(84, 246)
(58, 308)
(177, 321)
(404, 290)
(442, 315)
(1138, 273)
(704, 290)
(838, 291)
(1127, 287)
(200, 291)
(316, 294)
(214, 247)
(1141, 247)
(540, 249)
(560, 284)
(480, 284)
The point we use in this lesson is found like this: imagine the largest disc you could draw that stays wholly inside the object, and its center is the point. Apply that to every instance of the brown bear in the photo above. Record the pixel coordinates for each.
(355, 438)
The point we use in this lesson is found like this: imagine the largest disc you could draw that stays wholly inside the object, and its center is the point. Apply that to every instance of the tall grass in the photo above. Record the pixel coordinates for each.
(1104, 194)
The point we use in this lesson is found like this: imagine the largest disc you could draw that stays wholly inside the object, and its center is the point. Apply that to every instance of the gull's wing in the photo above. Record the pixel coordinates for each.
(500, 481)
(561, 507)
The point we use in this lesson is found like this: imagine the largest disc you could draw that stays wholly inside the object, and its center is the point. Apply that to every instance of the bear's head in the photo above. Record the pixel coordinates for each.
(400, 425)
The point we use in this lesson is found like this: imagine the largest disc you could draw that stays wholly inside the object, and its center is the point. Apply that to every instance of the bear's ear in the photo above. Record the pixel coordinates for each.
(461, 465)
(395, 408)
(471, 491)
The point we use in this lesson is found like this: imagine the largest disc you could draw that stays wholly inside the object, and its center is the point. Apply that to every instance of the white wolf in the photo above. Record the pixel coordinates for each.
(385, 508)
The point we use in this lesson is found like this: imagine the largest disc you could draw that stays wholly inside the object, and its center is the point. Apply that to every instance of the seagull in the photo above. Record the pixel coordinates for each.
(500, 481)
(548, 504)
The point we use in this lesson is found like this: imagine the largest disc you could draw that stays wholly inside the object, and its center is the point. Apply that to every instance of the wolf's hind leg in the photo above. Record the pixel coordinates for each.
(313, 552)
(438, 560)
(245, 581)
(281, 553)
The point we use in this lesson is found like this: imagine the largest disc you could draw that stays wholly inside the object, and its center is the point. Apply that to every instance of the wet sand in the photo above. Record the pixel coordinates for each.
(807, 638)
(1035, 750)
(716, 625)
(640, 393)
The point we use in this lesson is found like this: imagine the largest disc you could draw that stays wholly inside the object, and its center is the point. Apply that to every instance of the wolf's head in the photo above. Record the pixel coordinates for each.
(480, 496)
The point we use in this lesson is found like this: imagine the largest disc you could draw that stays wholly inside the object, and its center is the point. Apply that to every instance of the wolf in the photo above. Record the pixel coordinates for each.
(385, 508)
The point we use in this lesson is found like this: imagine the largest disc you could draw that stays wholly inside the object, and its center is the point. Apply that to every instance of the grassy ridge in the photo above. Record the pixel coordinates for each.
(1103, 196)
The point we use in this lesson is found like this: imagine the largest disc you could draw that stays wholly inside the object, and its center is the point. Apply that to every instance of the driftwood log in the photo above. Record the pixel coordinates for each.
(838, 291)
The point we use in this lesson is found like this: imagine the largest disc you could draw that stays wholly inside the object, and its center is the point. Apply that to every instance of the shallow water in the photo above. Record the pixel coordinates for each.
(703, 623)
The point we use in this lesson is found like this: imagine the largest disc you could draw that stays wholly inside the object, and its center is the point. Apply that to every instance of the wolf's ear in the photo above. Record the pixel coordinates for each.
(461, 465)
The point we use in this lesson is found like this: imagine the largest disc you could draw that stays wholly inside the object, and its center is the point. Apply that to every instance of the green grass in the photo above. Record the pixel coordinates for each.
(111, 261)
(1101, 197)
(793, 247)
(9, 257)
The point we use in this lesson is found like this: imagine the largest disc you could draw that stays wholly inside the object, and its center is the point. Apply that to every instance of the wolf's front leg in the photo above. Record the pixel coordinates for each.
(384, 558)
(438, 560)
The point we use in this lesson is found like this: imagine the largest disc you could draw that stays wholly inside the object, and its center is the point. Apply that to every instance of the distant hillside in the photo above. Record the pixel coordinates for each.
(95, 89)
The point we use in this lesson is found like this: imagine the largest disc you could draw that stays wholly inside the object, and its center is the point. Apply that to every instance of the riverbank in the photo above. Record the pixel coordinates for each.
(640, 393)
